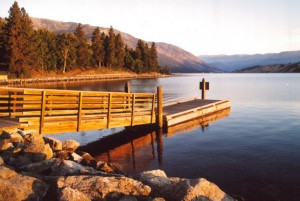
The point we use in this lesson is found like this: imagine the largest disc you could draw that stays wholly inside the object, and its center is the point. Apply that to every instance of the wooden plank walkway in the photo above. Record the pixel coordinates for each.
(191, 109)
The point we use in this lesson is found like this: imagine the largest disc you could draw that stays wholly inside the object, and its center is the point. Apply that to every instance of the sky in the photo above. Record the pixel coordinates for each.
(202, 27)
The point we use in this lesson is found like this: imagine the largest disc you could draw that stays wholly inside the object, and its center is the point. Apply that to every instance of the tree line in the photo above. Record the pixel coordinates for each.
(22, 48)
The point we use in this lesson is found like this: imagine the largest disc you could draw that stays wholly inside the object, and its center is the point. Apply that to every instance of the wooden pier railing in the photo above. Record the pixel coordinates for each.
(57, 111)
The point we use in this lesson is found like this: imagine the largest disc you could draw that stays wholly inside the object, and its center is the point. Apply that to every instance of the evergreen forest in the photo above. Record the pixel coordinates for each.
(23, 48)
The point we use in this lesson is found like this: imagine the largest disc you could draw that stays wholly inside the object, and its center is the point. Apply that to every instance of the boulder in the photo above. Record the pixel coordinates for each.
(105, 188)
(39, 166)
(16, 139)
(5, 144)
(67, 167)
(128, 198)
(70, 145)
(33, 138)
(88, 160)
(158, 199)
(38, 152)
(69, 194)
(14, 186)
(186, 189)
(63, 155)
(55, 144)
(75, 157)
(1, 161)
(105, 167)
(19, 161)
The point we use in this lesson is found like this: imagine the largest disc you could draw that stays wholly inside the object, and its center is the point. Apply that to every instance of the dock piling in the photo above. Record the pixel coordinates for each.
(160, 107)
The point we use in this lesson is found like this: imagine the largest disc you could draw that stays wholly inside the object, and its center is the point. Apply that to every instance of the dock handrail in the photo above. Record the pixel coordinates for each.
(54, 111)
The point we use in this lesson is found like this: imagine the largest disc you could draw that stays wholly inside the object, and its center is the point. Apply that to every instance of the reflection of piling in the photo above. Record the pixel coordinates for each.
(160, 145)
(152, 144)
(133, 155)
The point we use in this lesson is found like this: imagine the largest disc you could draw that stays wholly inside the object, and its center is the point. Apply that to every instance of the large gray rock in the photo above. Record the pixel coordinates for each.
(14, 186)
(69, 194)
(186, 189)
(40, 166)
(67, 167)
(19, 161)
(38, 152)
(105, 188)
(70, 145)
(55, 144)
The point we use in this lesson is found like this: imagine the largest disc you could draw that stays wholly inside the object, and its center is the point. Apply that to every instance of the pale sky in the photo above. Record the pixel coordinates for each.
(198, 26)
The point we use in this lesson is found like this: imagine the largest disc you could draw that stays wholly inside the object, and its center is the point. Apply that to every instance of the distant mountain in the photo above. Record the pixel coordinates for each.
(176, 58)
(236, 62)
(277, 68)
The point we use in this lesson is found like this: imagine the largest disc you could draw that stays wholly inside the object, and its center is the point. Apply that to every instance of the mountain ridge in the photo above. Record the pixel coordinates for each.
(235, 62)
(178, 59)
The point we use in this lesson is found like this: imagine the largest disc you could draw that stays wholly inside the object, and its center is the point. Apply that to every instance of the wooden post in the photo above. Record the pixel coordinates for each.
(79, 111)
(109, 109)
(159, 119)
(204, 86)
(132, 109)
(127, 87)
(43, 104)
(153, 109)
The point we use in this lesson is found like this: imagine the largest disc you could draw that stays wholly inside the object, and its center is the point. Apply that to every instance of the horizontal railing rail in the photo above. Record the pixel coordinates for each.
(56, 111)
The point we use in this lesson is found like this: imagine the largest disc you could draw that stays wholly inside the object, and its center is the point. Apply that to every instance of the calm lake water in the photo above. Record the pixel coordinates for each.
(252, 151)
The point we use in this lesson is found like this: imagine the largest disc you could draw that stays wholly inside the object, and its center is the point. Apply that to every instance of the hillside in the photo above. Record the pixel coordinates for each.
(277, 68)
(176, 58)
(236, 62)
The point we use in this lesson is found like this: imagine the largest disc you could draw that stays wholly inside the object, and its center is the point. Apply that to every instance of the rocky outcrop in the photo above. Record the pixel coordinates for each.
(186, 189)
(42, 163)
(14, 186)
(105, 188)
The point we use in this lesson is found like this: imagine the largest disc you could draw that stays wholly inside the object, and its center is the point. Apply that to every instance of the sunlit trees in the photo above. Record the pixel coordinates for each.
(110, 48)
(22, 48)
(119, 51)
(98, 47)
(46, 50)
(18, 40)
(67, 43)
(82, 48)
(2, 50)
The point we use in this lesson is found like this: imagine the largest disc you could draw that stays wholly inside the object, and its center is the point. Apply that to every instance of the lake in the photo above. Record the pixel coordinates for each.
(252, 152)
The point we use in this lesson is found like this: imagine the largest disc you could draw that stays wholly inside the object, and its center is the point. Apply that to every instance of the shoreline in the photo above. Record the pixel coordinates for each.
(36, 167)
(81, 78)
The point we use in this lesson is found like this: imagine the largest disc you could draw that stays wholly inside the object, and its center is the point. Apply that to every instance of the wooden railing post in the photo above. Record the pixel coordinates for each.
(109, 109)
(132, 109)
(79, 111)
(204, 86)
(127, 87)
(159, 107)
(43, 105)
(152, 109)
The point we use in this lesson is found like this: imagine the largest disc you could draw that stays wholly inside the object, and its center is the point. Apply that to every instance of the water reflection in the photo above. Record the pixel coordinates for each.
(139, 147)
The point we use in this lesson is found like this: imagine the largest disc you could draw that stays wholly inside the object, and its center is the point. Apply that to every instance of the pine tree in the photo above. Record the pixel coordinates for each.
(119, 53)
(2, 43)
(46, 48)
(98, 47)
(18, 35)
(110, 51)
(153, 58)
(82, 48)
(67, 46)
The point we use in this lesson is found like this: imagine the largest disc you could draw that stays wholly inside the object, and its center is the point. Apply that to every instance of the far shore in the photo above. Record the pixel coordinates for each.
(80, 76)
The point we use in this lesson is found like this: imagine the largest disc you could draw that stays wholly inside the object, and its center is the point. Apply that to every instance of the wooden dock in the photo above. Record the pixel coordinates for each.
(57, 111)
(182, 111)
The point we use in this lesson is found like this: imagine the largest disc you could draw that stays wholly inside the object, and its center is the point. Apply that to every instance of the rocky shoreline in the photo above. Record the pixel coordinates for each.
(35, 167)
